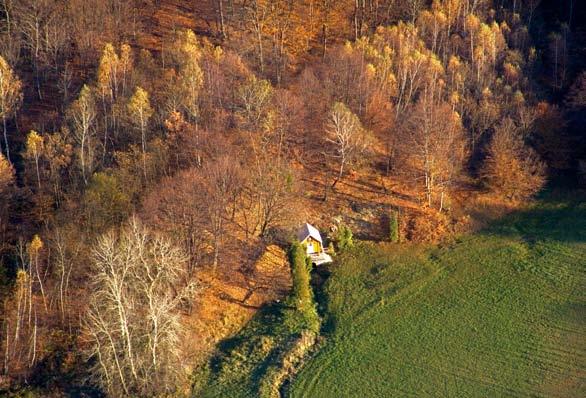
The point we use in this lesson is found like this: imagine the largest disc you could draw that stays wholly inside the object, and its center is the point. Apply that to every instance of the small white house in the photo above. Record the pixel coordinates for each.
(310, 237)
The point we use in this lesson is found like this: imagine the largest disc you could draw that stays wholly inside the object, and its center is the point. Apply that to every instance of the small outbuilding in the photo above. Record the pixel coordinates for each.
(310, 237)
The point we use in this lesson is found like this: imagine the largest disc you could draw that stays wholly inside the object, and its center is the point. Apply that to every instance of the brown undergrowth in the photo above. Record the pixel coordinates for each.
(229, 300)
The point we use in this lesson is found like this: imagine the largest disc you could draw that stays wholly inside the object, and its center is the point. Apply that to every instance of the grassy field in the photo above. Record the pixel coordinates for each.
(499, 313)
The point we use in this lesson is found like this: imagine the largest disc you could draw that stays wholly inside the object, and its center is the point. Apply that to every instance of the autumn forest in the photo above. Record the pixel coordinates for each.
(155, 152)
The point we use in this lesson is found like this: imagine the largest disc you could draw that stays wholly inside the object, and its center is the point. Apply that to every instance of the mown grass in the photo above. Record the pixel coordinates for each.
(499, 313)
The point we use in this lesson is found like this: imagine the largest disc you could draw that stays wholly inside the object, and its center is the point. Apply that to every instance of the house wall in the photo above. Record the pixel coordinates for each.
(313, 246)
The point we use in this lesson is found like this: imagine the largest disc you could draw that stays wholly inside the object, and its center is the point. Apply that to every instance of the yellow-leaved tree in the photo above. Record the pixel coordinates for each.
(34, 148)
(141, 111)
(107, 81)
(186, 54)
(10, 98)
(6, 174)
(512, 169)
(6, 181)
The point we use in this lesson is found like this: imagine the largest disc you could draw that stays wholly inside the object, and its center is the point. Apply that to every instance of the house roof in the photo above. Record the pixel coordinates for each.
(308, 230)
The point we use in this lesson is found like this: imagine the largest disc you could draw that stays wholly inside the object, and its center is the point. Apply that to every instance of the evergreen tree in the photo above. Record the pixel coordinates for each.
(301, 298)
(394, 227)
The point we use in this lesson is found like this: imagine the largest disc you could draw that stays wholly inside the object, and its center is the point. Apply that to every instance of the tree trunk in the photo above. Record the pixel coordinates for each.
(281, 57)
(61, 294)
(34, 345)
(216, 251)
(105, 129)
(40, 282)
(221, 12)
(8, 21)
(82, 158)
(340, 173)
(30, 295)
(260, 50)
(124, 328)
(142, 133)
(355, 19)
(6, 350)
(6, 138)
(324, 40)
(37, 167)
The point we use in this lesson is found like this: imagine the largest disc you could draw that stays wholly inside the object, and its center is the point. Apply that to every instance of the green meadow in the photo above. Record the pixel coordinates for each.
(498, 313)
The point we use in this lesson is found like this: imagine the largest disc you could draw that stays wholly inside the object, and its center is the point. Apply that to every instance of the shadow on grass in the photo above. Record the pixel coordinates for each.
(240, 361)
(557, 216)
(319, 278)
(264, 322)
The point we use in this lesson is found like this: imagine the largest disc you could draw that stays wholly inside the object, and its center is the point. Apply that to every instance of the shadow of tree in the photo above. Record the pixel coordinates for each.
(557, 219)
(265, 322)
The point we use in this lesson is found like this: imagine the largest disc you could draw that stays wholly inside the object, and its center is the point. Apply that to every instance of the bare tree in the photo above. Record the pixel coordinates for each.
(141, 111)
(222, 183)
(221, 18)
(258, 12)
(254, 96)
(286, 120)
(558, 53)
(269, 195)
(174, 207)
(83, 115)
(132, 322)
(433, 148)
(22, 342)
(33, 19)
(65, 248)
(18, 334)
(347, 137)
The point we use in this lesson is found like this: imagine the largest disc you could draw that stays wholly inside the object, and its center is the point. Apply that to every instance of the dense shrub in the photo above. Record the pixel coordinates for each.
(394, 226)
(344, 238)
(331, 251)
(105, 202)
(426, 226)
(302, 313)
